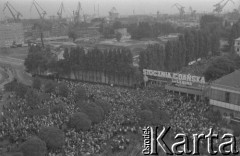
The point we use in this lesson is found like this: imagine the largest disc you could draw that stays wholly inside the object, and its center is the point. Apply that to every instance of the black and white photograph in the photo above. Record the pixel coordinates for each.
(119, 77)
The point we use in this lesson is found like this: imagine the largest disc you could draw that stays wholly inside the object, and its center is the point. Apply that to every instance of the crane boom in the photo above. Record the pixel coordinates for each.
(77, 13)
(226, 3)
(180, 9)
(38, 7)
(60, 11)
(219, 6)
(11, 9)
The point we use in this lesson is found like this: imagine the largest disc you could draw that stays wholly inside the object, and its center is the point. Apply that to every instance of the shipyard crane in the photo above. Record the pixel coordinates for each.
(39, 8)
(180, 9)
(220, 6)
(76, 13)
(42, 23)
(15, 14)
(192, 12)
(60, 11)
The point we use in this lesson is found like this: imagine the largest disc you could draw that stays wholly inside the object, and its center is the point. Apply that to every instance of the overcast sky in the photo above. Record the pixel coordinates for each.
(124, 7)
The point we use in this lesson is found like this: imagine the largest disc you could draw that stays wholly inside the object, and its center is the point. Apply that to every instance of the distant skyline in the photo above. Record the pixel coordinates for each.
(124, 7)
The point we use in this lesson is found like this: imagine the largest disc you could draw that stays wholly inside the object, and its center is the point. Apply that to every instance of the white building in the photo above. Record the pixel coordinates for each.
(237, 46)
(224, 94)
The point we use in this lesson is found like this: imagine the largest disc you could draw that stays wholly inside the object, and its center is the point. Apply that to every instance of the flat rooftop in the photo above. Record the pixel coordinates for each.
(230, 81)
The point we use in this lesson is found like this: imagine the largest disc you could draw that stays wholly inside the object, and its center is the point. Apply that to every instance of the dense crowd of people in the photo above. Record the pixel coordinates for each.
(186, 116)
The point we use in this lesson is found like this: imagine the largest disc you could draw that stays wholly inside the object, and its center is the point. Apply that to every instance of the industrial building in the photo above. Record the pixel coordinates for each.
(237, 46)
(11, 33)
(224, 94)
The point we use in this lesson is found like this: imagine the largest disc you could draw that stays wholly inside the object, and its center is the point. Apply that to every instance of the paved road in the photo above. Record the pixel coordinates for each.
(18, 69)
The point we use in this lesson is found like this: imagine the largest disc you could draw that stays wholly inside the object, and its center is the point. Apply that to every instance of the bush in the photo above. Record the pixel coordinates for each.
(80, 121)
(146, 117)
(58, 108)
(44, 96)
(21, 90)
(36, 83)
(37, 112)
(11, 86)
(80, 94)
(94, 112)
(118, 36)
(104, 105)
(221, 66)
(32, 98)
(63, 90)
(53, 137)
(50, 87)
(33, 147)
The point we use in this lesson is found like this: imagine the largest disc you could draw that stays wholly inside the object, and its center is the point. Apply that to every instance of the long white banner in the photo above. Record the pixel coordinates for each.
(185, 79)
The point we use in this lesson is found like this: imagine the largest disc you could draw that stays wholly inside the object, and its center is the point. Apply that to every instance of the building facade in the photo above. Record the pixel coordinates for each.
(237, 46)
(11, 32)
(224, 95)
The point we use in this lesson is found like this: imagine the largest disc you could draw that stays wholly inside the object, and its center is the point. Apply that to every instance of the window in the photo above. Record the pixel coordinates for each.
(227, 97)
(237, 49)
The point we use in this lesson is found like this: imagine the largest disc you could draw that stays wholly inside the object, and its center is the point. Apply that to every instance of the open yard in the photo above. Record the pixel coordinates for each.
(14, 58)
(18, 53)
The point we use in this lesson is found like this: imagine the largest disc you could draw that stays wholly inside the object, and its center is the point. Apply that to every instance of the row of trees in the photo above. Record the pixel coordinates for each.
(38, 59)
(113, 61)
(234, 34)
(146, 30)
(221, 66)
(192, 45)
(107, 30)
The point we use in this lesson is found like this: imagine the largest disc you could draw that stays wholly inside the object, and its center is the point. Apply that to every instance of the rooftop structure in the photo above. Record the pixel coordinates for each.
(225, 94)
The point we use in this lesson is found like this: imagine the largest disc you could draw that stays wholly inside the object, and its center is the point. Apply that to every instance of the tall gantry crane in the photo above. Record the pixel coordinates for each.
(15, 14)
(180, 9)
(39, 8)
(220, 6)
(42, 23)
(60, 11)
(192, 12)
(76, 13)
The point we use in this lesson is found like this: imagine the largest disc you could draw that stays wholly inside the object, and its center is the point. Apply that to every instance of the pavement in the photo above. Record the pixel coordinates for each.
(18, 68)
